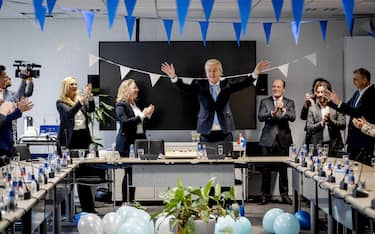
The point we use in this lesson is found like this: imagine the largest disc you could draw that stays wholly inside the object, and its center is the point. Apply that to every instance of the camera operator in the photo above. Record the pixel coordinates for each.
(25, 89)
(10, 100)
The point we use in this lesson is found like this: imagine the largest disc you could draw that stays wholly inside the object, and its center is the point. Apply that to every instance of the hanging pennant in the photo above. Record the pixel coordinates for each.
(50, 5)
(244, 7)
(130, 5)
(89, 19)
(277, 7)
(111, 8)
(284, 69)
(182, 10)
(348, 6)
(295, 30)
(207, 8)
(267, 31)
(1, 4)
(93, 59)
(154, 79)
(124, 71)
(312, 58)
(237, 31)
(130, 20)
(323, 28)
(168, 23)
(297, 8)
(187, 81)
(40, 15)
(204, 27)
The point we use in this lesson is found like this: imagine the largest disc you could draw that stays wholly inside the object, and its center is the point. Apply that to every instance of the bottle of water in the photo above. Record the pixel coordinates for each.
(132, 151)
(204, 151)
(92, 151)
(58, 164)
(41, 176)
(34, 185)
(12, 201)
(302, 158)
(21, 191)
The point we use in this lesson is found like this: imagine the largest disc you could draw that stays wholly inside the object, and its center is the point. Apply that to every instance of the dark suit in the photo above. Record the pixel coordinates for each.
(208, 107)
(275, 140)
(6, 133)
(126, 136)
(356, 140)
(315, 128)
(127, 133)
(78, 139)
(67, 114)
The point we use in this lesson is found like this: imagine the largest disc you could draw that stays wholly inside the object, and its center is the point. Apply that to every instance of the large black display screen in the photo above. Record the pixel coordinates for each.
(176, 109)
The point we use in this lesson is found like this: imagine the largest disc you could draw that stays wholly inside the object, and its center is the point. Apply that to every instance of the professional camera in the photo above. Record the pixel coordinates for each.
(30, 67)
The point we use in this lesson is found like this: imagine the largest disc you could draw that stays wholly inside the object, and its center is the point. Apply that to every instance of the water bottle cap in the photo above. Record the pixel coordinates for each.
(20, 183)
(14, 183)
(11, 193)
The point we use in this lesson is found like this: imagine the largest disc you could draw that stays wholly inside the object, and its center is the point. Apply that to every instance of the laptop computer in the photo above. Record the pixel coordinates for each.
(151, 148)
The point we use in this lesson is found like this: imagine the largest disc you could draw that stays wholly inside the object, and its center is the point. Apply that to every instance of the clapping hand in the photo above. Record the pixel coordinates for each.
(359, 122)
(332, 96)
(148, 111)
(168, 69)
(24, 104)
(327, 118)
(7, 107)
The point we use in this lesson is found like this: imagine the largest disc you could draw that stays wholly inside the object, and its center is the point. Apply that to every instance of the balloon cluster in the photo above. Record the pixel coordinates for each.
(126, 220)
(241, 225)
(279, 222)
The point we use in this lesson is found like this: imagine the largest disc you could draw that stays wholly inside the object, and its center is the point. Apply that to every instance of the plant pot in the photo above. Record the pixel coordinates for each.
(202, 227)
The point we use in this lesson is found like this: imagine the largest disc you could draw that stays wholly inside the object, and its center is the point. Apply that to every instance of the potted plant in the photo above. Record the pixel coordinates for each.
(101, 114)
(190, 207)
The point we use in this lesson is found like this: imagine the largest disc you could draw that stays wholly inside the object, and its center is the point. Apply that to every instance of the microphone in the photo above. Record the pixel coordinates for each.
(359, 192)
(331, 178)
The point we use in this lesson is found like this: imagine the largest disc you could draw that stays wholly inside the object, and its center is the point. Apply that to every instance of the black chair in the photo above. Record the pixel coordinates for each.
(23, 150)
(152, 148)
(212, 149)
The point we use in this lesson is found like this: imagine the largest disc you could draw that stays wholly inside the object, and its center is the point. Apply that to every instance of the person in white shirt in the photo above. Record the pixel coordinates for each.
(132, 127)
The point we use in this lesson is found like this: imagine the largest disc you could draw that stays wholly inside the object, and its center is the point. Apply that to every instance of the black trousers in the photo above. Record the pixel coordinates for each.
(275, 150)
(216, 136)
(81, 139)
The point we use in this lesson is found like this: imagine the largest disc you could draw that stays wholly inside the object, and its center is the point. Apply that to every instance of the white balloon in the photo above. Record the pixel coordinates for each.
(111, 222)
(90, 224)
(224, 222)
(130, 228)
(126, 211)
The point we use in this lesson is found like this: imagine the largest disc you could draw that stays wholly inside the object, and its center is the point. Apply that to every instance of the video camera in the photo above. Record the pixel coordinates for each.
(30, 67)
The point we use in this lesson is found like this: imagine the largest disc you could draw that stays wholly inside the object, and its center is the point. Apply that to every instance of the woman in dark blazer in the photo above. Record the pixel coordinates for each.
(74, 132)
(132, 120)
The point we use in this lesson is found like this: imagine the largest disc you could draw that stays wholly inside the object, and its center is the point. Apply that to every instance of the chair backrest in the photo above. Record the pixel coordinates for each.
(23, 150)
(212, 149)
(152, 148)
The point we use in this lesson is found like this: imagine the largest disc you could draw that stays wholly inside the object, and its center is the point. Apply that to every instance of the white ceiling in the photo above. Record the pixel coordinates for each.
(224, 10)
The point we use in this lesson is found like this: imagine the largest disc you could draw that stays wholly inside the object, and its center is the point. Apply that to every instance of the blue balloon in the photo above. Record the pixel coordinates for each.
(286, 223)
(78, 216)
(269, 218)
(303, 219)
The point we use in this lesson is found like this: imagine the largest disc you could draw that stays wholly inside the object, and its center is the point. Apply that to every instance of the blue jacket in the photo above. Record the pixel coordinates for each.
(6, 131)
(207, 105)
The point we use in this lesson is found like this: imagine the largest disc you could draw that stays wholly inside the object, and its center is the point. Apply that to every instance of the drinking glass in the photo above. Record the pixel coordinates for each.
(220, 149)
(140, 153)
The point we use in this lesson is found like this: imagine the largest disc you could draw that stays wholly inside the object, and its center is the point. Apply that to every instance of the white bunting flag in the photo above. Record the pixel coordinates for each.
(284, 69)
(93, 59)
(124, 71)
(154, 78)
(187, 81)
(311, 58)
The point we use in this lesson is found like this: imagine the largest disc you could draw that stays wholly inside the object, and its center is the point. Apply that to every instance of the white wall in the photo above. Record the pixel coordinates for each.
(63, 50)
